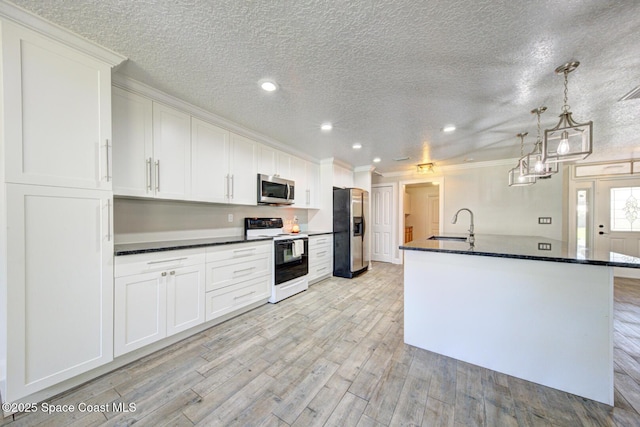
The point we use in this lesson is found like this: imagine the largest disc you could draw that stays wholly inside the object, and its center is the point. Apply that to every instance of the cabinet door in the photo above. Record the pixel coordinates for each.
(242, 171)
(267, 160)
(209, 162)
(299, 176)
(313, 185)
(171, 152)
(132, 144)
(185, 298)
(60, 285)
(140, 311)
(58, 126)
(284, 168)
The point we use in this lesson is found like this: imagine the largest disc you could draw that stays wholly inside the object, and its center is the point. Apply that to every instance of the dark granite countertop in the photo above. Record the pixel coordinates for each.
(522, 247)
(170, 245)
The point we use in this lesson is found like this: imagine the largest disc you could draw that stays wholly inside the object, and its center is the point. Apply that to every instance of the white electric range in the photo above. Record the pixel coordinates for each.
(290, 256)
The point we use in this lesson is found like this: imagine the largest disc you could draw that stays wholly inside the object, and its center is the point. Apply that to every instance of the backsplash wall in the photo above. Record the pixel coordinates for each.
(138, 220)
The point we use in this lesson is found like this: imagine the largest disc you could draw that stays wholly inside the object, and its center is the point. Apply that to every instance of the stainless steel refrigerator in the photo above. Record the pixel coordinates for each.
(350, 234)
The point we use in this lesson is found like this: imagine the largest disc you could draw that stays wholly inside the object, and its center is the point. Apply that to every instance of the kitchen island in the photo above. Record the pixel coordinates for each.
(520, 305)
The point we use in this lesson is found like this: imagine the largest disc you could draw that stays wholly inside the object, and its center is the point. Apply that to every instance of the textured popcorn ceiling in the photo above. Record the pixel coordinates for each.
(388, 74)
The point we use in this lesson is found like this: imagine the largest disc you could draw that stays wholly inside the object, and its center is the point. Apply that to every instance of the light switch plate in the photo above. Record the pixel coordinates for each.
(544, 220)
(230, 218)
(544, 246)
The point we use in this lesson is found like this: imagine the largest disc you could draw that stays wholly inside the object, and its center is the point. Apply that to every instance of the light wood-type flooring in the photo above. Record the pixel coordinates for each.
(335, 356)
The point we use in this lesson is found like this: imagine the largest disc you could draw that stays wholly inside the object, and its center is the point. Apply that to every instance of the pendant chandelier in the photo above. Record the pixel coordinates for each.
(533, 164)
(567, 141)
(516, 179)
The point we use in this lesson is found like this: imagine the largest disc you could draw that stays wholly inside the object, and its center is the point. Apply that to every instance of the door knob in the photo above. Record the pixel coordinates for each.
(602, 232)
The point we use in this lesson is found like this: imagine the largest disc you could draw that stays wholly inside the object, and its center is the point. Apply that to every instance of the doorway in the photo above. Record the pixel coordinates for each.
(605, 217)
(421, 210)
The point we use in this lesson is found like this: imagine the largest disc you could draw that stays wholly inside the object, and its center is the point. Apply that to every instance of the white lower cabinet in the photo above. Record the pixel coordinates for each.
(157, 295)
(237, 276)
(320, 257)
(59, 286)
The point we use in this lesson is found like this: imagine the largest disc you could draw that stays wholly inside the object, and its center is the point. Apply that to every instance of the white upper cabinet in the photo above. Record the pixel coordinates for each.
(163, 152)
(171, 152)
(267, 160)
(299, 175)
(151, 148)
(57, 114)
(275, 162)
(285, 168)
(132, 144)
(243, 178)
(307, 183)
(313, 185)
(209, 162)
(342, 177)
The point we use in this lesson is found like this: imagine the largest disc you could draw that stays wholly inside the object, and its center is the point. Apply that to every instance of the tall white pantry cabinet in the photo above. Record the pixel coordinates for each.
(56, 225)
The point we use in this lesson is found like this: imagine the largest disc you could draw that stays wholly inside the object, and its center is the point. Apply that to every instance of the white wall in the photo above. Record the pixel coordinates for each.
(498, 208)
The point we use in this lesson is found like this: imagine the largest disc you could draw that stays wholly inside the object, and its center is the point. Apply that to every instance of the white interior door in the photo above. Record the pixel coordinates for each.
(382, 223)
(617, 220)
(433, 209)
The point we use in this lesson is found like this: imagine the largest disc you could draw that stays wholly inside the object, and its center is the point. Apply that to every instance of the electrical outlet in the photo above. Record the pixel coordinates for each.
(544, 246)
(544, 220)
(230, 218)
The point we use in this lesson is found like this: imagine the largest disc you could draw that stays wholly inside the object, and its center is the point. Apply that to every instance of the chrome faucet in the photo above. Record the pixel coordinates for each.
(472, 238)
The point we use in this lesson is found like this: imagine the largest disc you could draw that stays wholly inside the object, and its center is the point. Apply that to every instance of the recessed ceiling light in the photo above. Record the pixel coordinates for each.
(376, 160)
(326, 126)
(448, 128)
(268, 85)
(356, 146)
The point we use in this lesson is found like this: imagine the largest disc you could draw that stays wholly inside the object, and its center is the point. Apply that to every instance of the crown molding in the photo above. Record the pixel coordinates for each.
(18, 15)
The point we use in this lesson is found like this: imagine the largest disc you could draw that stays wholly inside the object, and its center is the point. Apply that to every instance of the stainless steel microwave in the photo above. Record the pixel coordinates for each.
(273, 190)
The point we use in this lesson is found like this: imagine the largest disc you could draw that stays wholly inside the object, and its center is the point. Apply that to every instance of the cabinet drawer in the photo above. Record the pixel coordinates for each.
(238, 251)
(226, 300)
(320, 255)
(221, 274)
(157, 261)
(320, 241)
(320, 270)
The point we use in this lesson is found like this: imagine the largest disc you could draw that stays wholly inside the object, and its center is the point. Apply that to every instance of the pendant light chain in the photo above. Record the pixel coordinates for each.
(565, 107)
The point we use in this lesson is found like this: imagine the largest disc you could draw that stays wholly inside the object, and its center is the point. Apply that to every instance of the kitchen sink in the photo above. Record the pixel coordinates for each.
(453, 238)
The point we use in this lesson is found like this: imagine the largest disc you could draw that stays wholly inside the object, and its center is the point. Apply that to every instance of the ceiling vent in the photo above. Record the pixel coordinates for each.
(634, 94)
(401, 159)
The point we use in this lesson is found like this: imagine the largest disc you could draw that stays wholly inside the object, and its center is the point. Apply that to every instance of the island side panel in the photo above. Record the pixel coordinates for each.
(546, 322)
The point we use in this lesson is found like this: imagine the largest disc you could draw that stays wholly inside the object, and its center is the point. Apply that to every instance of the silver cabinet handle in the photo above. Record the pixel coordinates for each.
(157, 175)
(164, 273)
(149, 174)
(244, 250)
(172, 272)
(108, 220)
(226, 193)
(232, 185)
(244, 270)
(308, 197)
(108, 149)
(323, 252)
(167, 260)
(245, 295)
